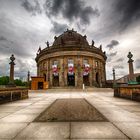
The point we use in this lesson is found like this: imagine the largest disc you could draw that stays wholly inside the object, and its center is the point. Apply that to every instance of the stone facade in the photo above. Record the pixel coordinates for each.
(72, 49)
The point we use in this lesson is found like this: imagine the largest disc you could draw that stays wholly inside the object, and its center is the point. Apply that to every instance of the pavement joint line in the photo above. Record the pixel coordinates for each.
(70, 130)
(44, 110)
(120, 130)
(21, 130)
(11, 113)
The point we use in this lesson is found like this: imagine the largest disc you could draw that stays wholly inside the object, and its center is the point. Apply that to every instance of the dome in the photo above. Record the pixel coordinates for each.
(70, 37)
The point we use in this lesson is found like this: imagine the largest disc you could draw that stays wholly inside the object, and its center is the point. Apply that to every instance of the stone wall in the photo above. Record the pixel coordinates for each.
(45, 67)
(129, 92)
(12, 94)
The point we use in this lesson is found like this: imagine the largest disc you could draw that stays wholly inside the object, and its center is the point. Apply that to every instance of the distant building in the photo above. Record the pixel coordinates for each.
(126, 78)
(71, 61)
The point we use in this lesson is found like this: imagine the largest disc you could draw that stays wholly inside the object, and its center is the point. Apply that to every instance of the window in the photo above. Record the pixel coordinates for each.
(55, 62)
(70, 61)
(44, 65)
(96, 64)
(85, 61)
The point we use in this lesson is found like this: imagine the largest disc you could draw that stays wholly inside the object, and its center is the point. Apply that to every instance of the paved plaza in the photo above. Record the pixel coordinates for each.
(17, 118)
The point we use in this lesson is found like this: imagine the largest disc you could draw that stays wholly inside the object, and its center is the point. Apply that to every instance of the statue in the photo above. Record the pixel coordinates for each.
(100, 47)
(47, 43)
(130, 55)
(39, 50)
(93, 42)
(85, 37)
(55, 37)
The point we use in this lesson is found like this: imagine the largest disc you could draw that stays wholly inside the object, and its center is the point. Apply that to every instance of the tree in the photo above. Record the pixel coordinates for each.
(18, 82)
(138, 79)
(4, 80)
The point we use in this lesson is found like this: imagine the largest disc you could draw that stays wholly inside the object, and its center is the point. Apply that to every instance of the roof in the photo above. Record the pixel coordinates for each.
(70, 37)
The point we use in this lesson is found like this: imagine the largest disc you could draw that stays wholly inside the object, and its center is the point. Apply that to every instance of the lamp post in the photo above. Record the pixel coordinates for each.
(114, 78)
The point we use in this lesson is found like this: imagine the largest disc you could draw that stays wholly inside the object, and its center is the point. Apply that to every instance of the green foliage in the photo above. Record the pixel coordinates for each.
(4, 80)
(18, 82)
(138, 79)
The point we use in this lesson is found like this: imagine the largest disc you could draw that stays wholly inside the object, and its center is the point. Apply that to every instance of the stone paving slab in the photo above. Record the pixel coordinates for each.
(95, 130)
(100, 139)
(30, 111)
(45, 130)
(132, 108)
(3, 115)
(18, 118)
(9, 109)
(130, 129)
(124, 114)
(10, 130)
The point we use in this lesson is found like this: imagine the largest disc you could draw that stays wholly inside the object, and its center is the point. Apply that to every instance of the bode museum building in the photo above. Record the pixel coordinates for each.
(71, 61)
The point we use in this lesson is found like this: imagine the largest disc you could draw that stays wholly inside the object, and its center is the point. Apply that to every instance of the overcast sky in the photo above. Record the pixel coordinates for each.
(27, 24)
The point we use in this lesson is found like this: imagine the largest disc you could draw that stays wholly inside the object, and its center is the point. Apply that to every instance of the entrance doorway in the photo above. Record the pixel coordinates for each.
(40, 85)
(97, 78)
(55, 80)
(71, 80)
(86, 80)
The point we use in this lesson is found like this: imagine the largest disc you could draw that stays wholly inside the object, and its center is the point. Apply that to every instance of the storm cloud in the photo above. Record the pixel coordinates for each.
(70, 10)
(58, 28)
(120, 60)
(118, 67)
(128, 12)
(111, 55)
(112, 44)
(32, 7)
(27, 24)
(137, 63)
(2, 38)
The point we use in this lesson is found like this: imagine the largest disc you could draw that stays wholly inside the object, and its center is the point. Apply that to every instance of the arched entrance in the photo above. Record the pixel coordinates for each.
(55, 80)
(71, 79)
(44, 75)
(97, 78)
(40, 85)
(86, 80)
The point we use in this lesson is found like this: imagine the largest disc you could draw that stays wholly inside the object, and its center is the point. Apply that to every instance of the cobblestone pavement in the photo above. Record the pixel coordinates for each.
(16, 118)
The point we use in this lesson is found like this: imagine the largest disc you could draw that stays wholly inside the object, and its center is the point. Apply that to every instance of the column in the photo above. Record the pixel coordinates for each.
(79, 77)
(12, 63)
(61, 72)
(50, 74)
(114, 78)
(90, 72)
(65, 64)
(131, 69)
(28, 77)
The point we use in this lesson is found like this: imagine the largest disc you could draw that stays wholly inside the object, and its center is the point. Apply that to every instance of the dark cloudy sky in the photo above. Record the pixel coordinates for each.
(27, 24)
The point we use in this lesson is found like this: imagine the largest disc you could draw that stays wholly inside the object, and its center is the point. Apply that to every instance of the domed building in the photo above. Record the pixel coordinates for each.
(72, 61)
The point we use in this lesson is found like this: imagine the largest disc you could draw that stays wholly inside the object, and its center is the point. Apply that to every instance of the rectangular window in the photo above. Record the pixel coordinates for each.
(70, 61)
(85, 61)
(55, 62)
(96, 64)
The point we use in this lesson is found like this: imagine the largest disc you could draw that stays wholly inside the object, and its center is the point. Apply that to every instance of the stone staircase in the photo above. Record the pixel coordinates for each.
(72, 89)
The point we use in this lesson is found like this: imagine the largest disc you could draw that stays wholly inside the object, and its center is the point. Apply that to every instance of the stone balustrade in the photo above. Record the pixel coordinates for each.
(12, 94)
(129, 92)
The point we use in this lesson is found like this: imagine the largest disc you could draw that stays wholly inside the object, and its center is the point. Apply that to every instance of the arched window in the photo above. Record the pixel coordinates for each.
(44, 75)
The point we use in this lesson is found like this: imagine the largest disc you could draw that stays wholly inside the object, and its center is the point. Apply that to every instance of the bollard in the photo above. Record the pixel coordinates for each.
(83, 86)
